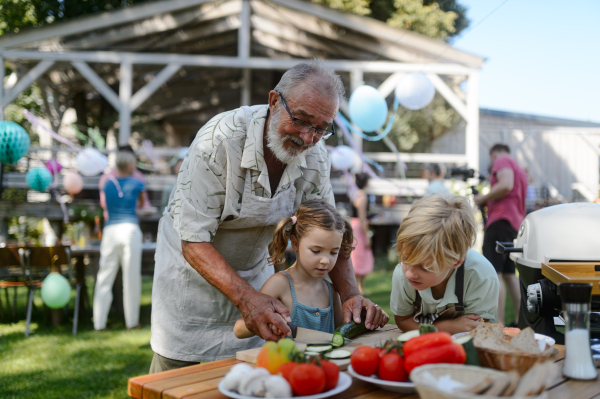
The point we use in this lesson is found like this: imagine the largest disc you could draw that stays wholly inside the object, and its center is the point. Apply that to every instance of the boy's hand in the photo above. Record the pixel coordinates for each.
(464, 323)
(470, 321)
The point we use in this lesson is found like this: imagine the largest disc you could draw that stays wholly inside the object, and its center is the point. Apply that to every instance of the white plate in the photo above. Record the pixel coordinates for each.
(404, 387)
(541, 339)
(344, 383)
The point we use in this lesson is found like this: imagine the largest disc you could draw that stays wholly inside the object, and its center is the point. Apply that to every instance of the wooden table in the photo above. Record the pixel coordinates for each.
(201, 381)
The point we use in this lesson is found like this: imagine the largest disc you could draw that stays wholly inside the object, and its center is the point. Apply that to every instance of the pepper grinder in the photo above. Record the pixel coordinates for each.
(576, 303)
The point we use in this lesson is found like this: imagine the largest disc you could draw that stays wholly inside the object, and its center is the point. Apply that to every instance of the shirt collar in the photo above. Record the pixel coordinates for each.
(253, 154)
(449, 295)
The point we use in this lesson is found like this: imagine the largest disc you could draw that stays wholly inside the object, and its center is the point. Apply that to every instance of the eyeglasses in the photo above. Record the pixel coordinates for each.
(305, 127)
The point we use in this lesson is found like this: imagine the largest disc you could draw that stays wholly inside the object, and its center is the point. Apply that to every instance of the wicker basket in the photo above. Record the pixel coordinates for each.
(461, 373)
(519, 362)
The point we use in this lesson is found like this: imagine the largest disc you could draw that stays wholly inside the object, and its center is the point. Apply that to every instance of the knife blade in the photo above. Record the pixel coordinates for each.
(310, 336)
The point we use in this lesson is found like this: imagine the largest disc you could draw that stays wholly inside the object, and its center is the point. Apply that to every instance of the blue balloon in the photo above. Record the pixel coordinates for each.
(368, 109)
(14, 142)
(38, 179)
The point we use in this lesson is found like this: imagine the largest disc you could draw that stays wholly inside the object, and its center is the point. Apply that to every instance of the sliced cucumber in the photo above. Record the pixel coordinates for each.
(311, 354)
(338, 354)
(318, 348)
(338, 339)
(408, 335)
(467, 342)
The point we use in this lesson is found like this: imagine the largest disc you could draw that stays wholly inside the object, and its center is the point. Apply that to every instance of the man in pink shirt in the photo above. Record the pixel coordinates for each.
(506, 211)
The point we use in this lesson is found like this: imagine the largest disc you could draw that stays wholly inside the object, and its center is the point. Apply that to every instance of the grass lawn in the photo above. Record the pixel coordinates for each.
(52, 363)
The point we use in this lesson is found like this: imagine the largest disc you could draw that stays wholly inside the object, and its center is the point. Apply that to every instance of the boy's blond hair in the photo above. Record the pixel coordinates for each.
(437, 232)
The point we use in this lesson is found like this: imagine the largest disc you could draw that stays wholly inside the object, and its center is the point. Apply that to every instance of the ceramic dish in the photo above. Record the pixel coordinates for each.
(404, 387)
(344, 383)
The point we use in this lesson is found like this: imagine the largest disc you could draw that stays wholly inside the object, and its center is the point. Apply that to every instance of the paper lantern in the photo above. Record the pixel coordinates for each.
(367, 108)
(38, 179)
(342, 157)
(91, 162)
(56, 291)
(14, 142)
(53, 166)
(72, 183)
(414, 91)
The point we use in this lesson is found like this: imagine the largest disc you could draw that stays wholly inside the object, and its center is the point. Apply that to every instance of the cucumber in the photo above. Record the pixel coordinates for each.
(338, 354)
(427, 328)
(467, 342)
(318, 348)
(408, 335)
(312, 354)
(338, 339)
(352, 329)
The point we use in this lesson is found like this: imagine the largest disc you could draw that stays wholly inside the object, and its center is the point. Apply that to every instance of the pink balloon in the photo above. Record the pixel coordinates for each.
(73, 183)
(53, 166)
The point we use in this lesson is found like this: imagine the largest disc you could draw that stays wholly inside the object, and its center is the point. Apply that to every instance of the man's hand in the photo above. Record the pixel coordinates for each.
(353, 307)
(264, 314)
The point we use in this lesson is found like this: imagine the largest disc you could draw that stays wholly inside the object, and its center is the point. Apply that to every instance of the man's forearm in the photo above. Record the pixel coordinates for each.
(496, 192)
(211, 265)
(342, 276)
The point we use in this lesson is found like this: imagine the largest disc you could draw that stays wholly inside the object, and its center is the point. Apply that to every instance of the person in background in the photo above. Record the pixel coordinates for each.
(531, 197)
(362, 256)
(114, 172)
(121, 244)
(506, 211)
(166, 194)
(434, 172)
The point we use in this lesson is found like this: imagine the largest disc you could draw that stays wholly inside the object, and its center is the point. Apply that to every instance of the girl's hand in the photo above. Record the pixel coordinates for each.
(276, 330)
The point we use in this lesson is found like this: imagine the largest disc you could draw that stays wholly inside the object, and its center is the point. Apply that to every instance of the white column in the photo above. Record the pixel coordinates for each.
(124, 98)
(244, 33)
(356, 80)
(246, 86)
(472, 136)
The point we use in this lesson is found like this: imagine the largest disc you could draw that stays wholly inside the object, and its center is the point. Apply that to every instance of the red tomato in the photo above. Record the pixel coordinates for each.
(365, 360)
(449, 353)
(391, 368)
(285, 369)
(332, 374)
(430, 340)
(307, 379)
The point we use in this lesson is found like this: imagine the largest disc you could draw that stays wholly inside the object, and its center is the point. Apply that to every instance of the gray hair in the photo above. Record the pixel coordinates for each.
(331, 83)
(124, 159)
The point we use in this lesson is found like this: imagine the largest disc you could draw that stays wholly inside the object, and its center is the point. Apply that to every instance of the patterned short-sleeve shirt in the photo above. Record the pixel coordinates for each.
(210, 184)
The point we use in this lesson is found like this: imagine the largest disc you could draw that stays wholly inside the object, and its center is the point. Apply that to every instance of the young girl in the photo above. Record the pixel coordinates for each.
(440, 280)
(318, 234)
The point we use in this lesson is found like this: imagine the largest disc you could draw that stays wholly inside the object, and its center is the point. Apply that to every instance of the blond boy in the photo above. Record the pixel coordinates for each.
(439, 279)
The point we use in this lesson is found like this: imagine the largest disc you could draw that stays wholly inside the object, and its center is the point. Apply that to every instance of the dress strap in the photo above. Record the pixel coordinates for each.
(291, 287)
(330, 294)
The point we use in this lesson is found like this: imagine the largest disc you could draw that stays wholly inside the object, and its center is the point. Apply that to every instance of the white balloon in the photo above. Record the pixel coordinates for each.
(91, 162)
(342, 157)
(414, 91)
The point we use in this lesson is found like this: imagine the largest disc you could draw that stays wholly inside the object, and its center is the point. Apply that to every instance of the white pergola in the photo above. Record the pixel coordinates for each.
(144, 48)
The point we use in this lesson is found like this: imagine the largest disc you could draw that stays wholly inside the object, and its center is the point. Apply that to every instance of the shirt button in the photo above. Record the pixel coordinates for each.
(316, 314)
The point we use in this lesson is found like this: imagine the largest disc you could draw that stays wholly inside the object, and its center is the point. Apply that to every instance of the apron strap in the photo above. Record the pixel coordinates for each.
(459, 290)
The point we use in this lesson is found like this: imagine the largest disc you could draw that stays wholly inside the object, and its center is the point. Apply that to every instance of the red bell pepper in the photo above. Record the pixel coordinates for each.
(448, 353)
(431, 340)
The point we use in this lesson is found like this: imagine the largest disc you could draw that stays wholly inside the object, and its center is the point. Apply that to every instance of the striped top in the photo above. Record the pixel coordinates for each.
(311, 317)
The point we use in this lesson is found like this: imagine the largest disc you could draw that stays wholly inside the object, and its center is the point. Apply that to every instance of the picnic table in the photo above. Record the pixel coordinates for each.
(201, 381)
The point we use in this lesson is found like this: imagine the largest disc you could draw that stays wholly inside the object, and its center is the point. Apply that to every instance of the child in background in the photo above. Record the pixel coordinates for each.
(439, 279)
(318, 234)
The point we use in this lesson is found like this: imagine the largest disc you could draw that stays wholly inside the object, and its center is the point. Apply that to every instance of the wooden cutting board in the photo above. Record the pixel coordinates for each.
(373, 338)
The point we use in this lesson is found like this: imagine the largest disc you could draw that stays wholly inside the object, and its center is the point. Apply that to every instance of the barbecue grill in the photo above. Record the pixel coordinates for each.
(557, 244)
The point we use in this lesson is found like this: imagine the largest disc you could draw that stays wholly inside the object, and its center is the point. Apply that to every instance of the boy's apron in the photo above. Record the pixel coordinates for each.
(191, 319)
(450, 313)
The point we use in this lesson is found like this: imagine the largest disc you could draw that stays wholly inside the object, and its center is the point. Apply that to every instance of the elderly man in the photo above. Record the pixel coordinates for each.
(245, 171)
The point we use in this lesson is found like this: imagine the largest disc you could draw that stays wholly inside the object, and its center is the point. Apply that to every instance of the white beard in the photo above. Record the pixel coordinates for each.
(275, 142)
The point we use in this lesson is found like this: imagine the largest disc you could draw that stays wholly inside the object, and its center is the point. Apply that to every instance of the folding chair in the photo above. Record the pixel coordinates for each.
(12, 275)
(39, 261)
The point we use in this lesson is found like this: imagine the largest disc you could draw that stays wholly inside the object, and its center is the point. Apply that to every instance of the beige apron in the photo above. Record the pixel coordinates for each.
(191, 319)
(451, 313)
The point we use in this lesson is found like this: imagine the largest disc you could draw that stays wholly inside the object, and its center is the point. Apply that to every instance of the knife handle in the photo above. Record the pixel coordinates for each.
(294, 329)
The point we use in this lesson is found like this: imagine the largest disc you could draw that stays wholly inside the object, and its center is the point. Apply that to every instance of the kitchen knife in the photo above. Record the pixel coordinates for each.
(310, 336)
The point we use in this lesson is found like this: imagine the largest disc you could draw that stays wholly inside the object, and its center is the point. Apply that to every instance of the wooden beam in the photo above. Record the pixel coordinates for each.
(98, 83)
(125, 87)
(244, 31)
(389, 85)
(416, 157)
(146, 91)
(97, 21)
(25, 81)
(472, 129)
(356, 80)
(231, 62)
(2, 72)
(285, 46)
(154, 25)
(449, 95)
(246, 87)
(371, 27)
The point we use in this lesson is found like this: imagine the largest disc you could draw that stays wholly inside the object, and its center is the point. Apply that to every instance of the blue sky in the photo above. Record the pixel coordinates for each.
(543, 57)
